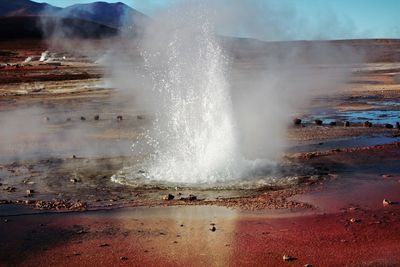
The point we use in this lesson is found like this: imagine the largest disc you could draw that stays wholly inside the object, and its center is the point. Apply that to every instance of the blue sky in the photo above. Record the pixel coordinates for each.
(312, 19)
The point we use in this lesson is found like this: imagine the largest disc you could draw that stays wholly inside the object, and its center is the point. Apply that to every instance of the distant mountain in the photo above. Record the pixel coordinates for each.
(12, 8)
(29, 19)
(35, 27)
(115, 15)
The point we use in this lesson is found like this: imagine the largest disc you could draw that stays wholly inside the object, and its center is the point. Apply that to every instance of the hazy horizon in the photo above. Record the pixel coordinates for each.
(301, 19)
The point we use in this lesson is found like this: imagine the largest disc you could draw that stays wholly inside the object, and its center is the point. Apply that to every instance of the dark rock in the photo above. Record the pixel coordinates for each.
(104, 245)
(140, 117)
(388, 126)
(96, 117)
(297, 121)
(353, 220)
(123, 258)
(119, 118)
(318, 122)
(288, 258)
(10, 189)
(73, 180)
(367, 124)
(83, 118)
(213, 229)
(168, 197)
(192, 197)
(73, 156)
(398, 125)
(346, 124)
(29, 192)
(68, 119)
(332, 123)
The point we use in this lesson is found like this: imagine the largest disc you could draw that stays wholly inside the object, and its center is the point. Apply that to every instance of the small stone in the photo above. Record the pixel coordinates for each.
(46, 119)
(73, 156)
(6, 220)
(367, 124)
(73, 180)
(386, 176)
(10, 189)
(140, 117)
(346, 124)
(192, 197)
(104, 245)
(318, 122)
(29, 192)
(288, 258)
(387, 202)
(213, 229)
(307, 265)
(76, 254)
(96, 117)
(388, 126)
(123, 258)
(168, 197)
(68, 119)
(297, 121)
(397, 125)
(332, 123)
(119, 118)
(83, 118)
(353, 220)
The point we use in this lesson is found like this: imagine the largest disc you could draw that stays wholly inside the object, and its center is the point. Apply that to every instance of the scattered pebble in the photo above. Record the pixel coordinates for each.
(318, 122)
(213, 229)
(104, 245)
(96, 117)
(307, 265)
(73, 180)
(387, 202)
(119, 118)
(353, 220)
(388, 126)
(168, 197)
(29, 192)
(288, 258)
(83, 118)
(123, 258)
(296, 121)
(140, 117)
(346, 124)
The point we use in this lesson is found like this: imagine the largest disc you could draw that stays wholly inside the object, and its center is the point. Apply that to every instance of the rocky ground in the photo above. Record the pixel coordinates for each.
(336, 203)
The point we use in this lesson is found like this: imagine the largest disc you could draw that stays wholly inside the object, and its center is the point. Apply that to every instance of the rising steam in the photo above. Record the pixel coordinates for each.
(216, 118)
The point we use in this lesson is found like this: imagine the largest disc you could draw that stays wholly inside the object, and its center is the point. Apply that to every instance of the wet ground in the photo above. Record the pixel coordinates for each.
(57, 157)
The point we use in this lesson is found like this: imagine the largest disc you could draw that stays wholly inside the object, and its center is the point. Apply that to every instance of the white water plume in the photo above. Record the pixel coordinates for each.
(194, 133)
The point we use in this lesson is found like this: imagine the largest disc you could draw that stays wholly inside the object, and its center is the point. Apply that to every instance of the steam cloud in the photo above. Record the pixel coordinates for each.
(222, 105)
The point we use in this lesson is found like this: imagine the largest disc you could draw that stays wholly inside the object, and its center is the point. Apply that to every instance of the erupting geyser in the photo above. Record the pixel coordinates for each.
(214, 120)
(193, 135)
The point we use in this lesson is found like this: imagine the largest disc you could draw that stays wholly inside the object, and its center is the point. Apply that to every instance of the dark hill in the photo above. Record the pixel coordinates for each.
(31, 27)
